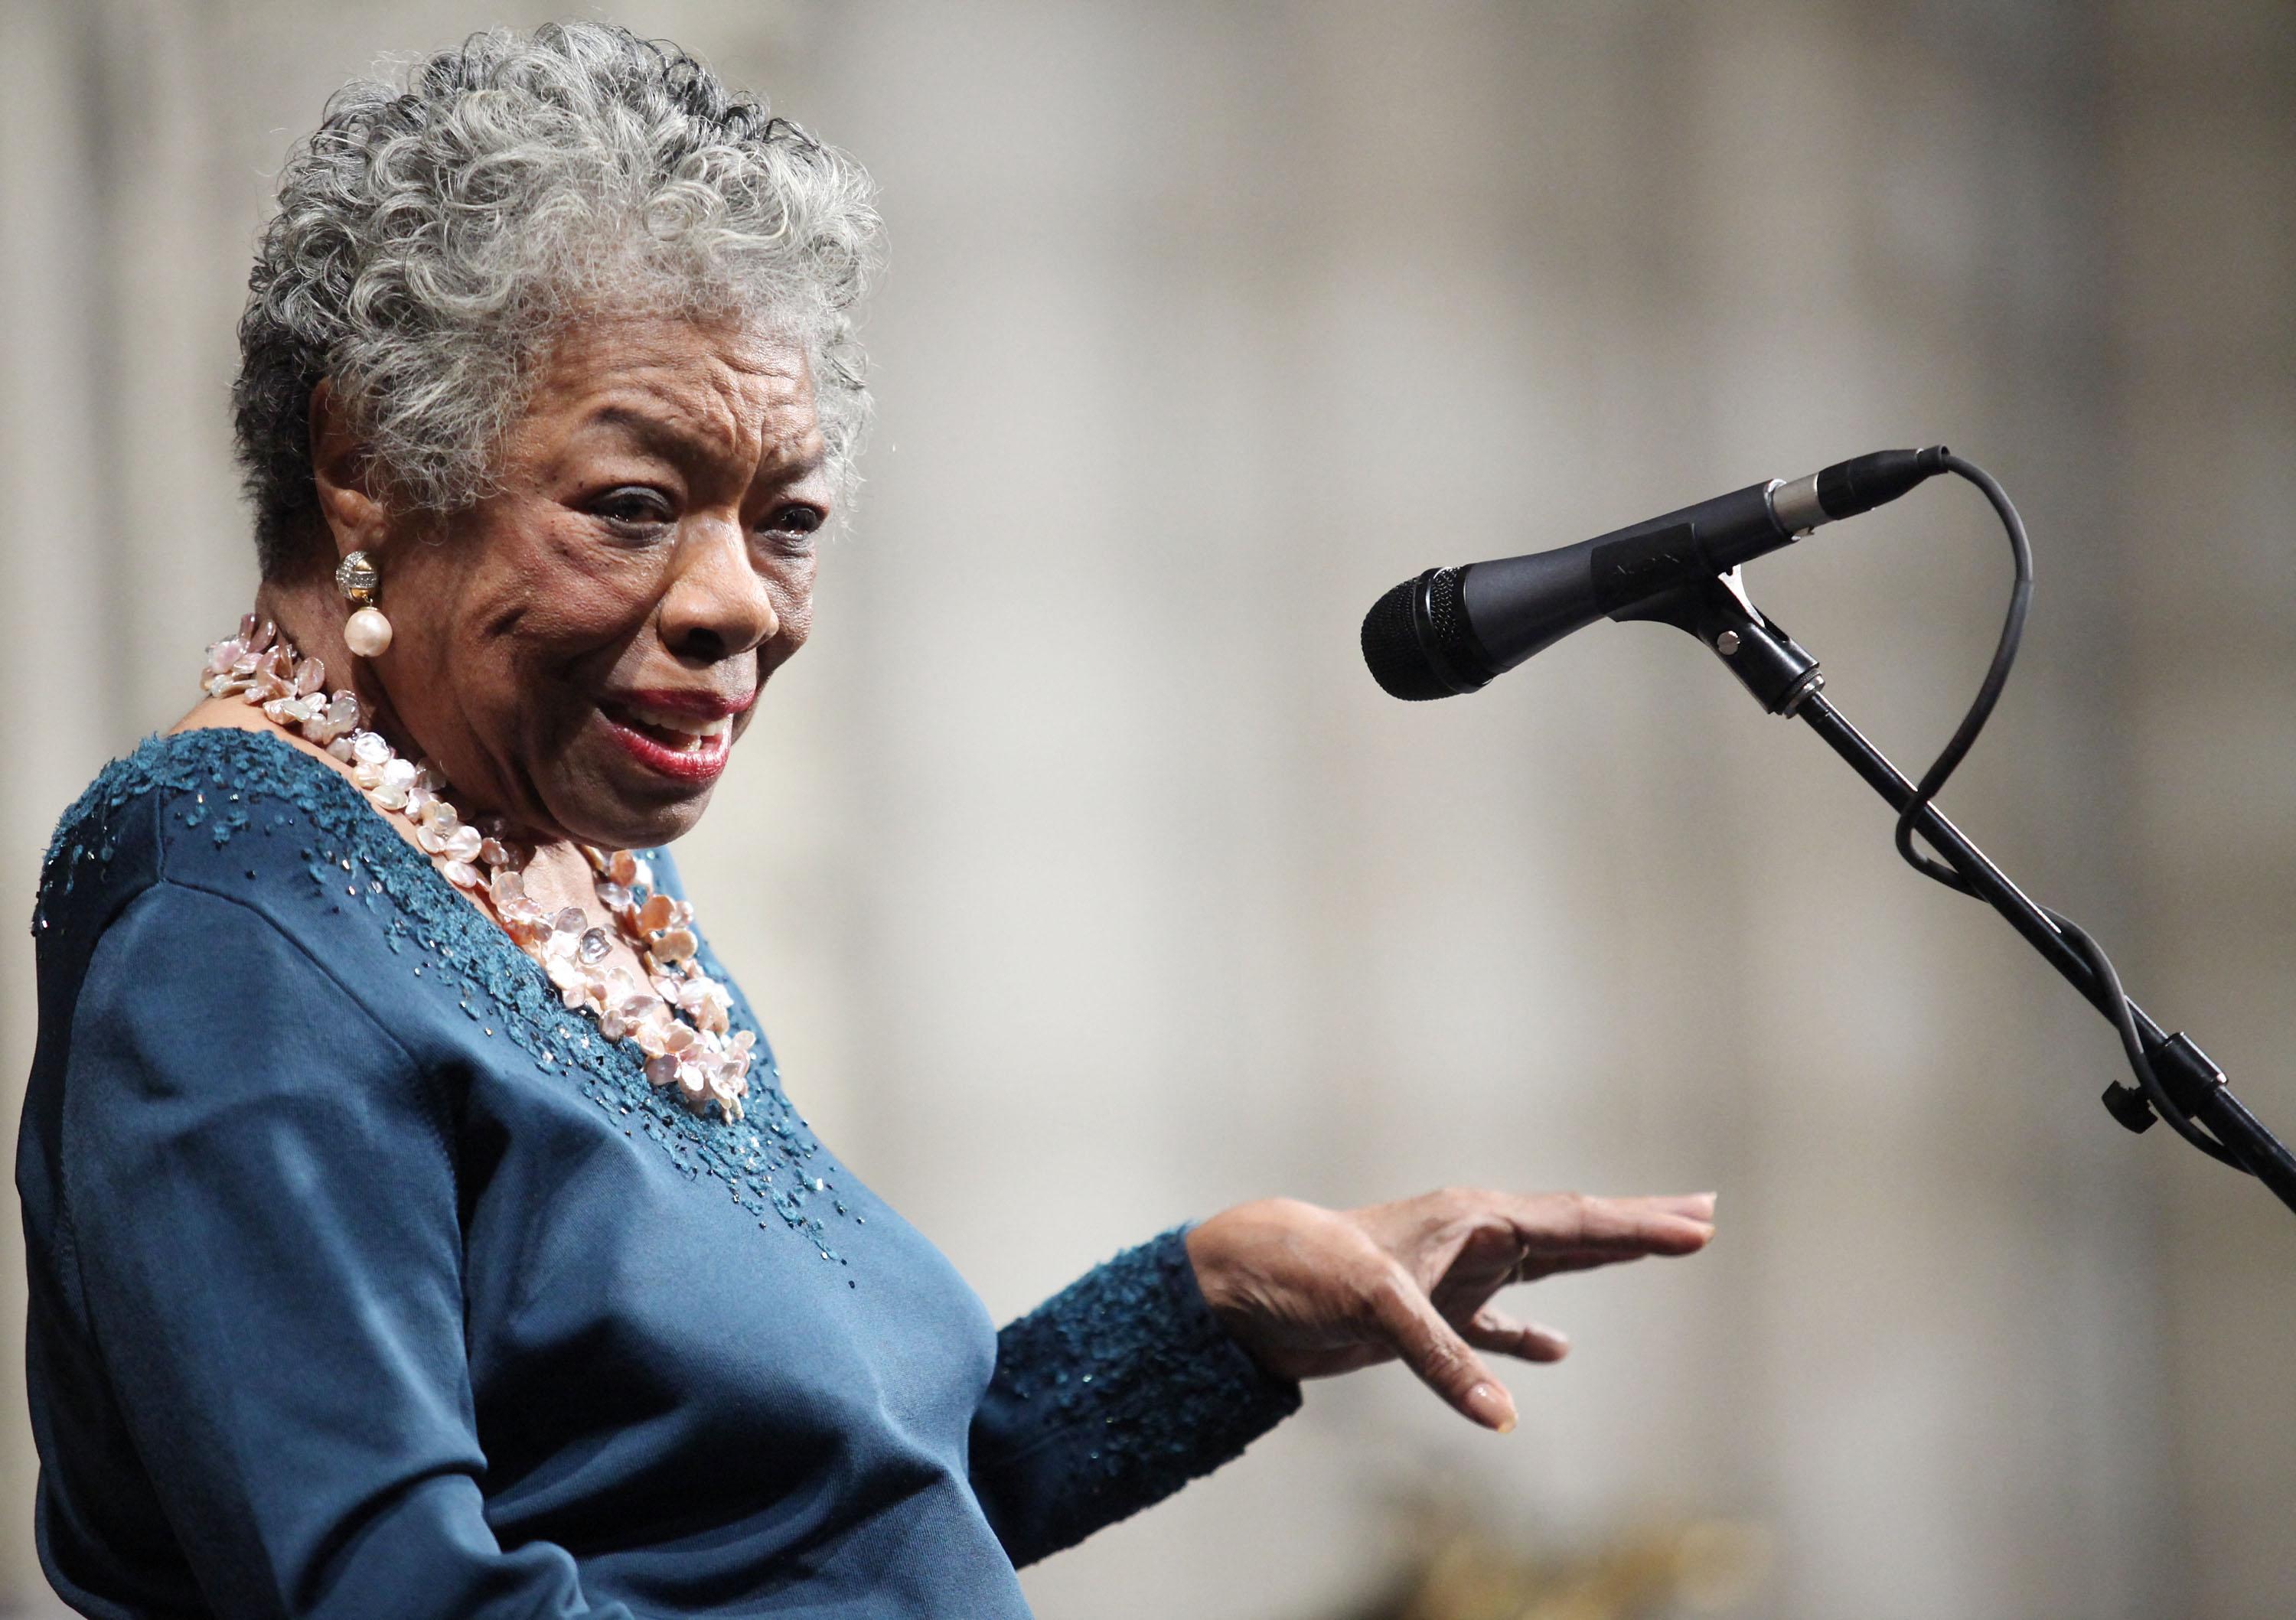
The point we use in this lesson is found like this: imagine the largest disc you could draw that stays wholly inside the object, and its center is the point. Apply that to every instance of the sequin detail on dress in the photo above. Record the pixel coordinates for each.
(235, 784)
(673, 1011)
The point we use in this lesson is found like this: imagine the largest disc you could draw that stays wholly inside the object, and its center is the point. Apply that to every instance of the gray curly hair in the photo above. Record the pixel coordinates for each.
(432, 241)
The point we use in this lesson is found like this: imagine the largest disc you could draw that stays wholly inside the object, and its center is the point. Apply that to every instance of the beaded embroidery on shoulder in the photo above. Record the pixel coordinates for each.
(229, 784)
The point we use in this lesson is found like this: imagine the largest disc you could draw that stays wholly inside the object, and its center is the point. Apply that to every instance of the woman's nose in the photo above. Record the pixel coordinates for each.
(718, 604)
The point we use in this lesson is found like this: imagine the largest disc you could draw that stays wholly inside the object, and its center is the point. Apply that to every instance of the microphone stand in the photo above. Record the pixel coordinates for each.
(1785, 680)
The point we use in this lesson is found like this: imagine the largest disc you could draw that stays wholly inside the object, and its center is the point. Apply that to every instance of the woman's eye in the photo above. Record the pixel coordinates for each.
(633, 507)
(794, 521)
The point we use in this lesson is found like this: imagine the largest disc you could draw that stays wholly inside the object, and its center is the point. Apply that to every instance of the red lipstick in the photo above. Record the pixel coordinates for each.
(641, 721)
(687, 701)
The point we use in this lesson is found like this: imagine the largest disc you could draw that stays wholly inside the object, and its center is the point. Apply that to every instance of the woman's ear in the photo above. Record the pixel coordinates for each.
(354, 518)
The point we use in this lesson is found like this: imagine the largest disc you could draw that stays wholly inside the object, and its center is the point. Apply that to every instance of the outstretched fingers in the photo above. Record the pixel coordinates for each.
(1432, 1349)
(1526, 1341)
(1569, 1231)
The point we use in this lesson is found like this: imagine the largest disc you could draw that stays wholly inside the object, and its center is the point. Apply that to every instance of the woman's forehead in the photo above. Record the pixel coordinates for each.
(667, 382)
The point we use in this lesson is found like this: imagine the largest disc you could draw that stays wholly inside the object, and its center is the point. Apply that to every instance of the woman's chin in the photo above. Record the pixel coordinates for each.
(606, 797)
(610, 823)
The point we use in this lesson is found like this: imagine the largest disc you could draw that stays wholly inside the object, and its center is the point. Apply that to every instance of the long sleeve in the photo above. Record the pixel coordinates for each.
(265, 1233)
(1111, 1395)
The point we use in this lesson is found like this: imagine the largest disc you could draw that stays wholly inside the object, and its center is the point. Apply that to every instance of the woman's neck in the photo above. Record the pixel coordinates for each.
(557, 874)
(309, 616)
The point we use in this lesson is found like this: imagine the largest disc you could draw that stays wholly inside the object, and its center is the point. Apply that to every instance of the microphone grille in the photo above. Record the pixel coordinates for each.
(1391, 641)
(1447, 615)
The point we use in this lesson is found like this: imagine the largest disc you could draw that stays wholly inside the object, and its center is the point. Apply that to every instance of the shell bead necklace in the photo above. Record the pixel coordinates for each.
(678, 1016)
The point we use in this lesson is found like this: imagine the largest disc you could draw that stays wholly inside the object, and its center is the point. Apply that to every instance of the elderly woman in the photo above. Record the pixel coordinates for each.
(418, 1226)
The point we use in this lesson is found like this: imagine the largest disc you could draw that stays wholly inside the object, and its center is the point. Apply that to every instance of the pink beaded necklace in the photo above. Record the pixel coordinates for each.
(677, 1015)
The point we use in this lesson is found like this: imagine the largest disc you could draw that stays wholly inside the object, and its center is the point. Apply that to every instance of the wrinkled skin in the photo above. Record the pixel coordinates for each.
(653, 530)
(1312, 1292)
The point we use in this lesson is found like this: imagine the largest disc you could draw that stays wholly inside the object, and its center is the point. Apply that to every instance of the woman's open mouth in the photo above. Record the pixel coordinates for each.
(683, 746)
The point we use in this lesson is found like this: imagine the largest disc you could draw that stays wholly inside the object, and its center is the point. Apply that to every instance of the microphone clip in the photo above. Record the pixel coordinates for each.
(1752, 646)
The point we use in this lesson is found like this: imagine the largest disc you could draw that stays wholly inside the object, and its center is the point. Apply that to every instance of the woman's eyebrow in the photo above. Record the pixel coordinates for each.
(674, 440)
(789, 469)
(662, 435)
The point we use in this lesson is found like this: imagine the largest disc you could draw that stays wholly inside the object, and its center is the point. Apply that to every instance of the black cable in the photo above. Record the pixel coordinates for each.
(2140, 1061)
(1988, 690)
(1941, 769)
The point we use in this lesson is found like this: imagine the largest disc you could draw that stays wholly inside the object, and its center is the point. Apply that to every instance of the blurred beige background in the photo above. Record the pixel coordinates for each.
(1087, 882)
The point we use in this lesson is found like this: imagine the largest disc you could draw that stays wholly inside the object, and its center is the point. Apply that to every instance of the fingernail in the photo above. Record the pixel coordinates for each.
(1492, 1407)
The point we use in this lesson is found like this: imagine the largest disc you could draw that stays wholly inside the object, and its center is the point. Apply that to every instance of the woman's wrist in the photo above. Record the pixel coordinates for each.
(1247, 1260)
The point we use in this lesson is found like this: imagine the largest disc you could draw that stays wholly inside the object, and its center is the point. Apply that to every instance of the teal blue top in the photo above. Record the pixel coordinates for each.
(368, 1281)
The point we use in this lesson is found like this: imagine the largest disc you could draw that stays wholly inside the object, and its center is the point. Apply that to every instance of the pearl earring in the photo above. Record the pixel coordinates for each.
(367, 632)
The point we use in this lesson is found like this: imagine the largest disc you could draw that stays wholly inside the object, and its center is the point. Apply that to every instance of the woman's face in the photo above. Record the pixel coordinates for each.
(580, 650)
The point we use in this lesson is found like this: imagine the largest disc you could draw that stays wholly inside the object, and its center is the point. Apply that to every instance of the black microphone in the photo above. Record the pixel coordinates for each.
(1451, 630)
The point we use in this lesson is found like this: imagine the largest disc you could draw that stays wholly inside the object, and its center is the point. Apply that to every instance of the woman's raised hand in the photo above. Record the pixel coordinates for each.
(1310, 1292)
